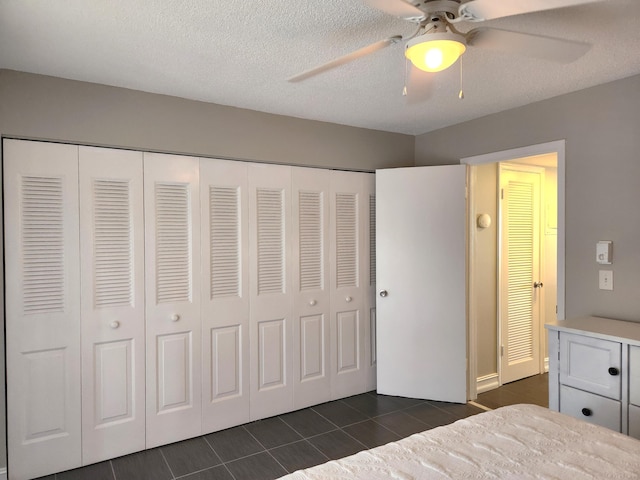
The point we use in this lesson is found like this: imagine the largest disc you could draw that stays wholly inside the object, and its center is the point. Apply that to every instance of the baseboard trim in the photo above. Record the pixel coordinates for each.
(487, 382)
(3, 474)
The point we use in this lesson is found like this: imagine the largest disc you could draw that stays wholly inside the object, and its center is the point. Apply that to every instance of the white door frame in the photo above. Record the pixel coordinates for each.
(557, 147)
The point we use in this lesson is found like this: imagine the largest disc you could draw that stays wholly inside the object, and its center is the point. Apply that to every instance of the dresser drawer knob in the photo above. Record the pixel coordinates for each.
(587, 412)
(614, 371)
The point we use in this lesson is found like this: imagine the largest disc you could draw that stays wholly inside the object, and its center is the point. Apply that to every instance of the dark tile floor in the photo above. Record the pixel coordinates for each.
(273, 447)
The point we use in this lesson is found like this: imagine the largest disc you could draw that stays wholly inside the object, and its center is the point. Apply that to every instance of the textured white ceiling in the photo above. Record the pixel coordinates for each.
(240, 53)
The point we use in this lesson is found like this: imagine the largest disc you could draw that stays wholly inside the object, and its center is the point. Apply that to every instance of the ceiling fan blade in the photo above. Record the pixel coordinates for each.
(479, 10)
(369, 49)
(537, 46)
(397, 8)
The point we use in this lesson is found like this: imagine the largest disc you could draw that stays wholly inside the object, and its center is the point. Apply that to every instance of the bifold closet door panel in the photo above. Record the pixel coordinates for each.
(311, 304)
(112, 303)
(271, 318)
(42, 307)
(369, 264)
(225, 294)
(349, 206)
(172, 264)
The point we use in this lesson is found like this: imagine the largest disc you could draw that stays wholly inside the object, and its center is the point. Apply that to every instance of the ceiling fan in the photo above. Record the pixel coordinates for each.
(437, 43)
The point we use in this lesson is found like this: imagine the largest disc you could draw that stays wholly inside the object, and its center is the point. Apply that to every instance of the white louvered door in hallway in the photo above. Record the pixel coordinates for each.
(172, 262)
(310, 217)
(520, 280)
(271, 318)
(349, 209)
(42, 307)
(112, 303)
(225, 294)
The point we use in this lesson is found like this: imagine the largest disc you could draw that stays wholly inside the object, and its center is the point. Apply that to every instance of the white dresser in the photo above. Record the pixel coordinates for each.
(594, 371)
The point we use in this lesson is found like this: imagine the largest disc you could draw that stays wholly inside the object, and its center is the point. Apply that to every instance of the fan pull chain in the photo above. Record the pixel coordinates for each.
(406, 68)
(461, 94)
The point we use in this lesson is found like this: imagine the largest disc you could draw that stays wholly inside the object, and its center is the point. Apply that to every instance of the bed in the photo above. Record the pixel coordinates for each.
(515, 442)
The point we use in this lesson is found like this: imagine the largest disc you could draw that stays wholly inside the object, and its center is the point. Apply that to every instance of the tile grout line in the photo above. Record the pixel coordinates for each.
(167, 463)
(306, 439)
(265, 448)
(113, 470)
(219, 457)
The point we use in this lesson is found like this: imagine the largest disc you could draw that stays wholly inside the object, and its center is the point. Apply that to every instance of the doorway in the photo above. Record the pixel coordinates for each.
(484, 341)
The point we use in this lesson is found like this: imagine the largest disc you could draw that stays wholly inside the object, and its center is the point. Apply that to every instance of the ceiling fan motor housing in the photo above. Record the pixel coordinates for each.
(433, 8)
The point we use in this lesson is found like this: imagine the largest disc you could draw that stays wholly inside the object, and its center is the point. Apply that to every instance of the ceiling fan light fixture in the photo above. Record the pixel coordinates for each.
(434, 52)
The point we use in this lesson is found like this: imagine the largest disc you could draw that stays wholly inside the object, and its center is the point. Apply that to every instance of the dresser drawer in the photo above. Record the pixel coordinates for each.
(591, 408)
(634, 421)
(591, 364)
(634, 375)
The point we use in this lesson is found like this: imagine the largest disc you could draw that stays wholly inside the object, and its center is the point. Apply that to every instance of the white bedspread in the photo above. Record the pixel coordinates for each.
(516, 442)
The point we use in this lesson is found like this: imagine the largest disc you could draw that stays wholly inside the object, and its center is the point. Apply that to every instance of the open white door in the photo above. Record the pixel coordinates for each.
(421, 277)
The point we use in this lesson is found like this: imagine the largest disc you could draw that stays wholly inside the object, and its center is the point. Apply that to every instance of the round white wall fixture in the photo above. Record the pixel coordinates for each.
(484, 220)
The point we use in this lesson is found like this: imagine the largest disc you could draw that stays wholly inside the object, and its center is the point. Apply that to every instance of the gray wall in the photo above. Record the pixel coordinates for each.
(600, 126)
(49, 108)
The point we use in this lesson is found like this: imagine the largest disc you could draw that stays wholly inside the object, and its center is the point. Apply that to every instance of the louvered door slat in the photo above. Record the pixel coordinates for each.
(112, 243)
(520, 276)
(225, 241)
(270, 229)
(173, 243)
(311, 236)
(347, 239)
(42, 235)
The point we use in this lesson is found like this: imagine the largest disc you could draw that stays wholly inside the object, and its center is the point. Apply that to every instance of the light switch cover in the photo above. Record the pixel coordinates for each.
(605, 280)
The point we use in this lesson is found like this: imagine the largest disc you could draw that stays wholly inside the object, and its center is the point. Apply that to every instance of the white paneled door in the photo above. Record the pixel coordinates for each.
(42, 307)
(172, 258)
(225, 294)
(310, 218)
(421, 282)
(112, 303)
(349, 209)
(271, 322)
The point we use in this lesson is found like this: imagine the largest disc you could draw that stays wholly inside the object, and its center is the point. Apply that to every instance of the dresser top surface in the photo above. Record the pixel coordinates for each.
(617, 330)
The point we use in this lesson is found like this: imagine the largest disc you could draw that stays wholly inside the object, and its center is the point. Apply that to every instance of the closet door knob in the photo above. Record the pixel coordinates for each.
(348, 299)
(115, 324)
(383, 293)
(587, 412)
(175, 317)
(538, 285)
(613, 371)
(312, 302)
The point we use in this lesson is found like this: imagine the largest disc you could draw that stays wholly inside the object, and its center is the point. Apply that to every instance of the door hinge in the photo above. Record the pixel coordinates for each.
(502, 350)
(502, 194)
(556, 308)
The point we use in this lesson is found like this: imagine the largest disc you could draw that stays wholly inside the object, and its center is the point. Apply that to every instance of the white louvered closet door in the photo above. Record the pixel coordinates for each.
(310, 218)
(112, 303)
(369, 263)
(349, 207)
(520, 269)
(225, 294)
(172, 257)
(271, 319)
(42, 307)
